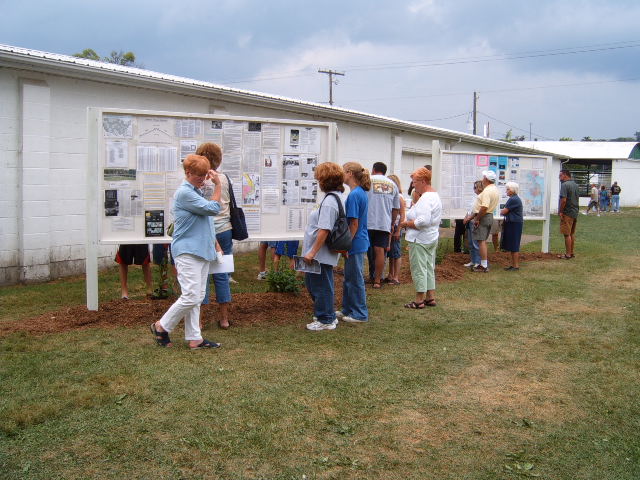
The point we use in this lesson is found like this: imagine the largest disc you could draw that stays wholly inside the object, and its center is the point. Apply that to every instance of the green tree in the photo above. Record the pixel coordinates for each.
(89, 54)
(565, 139)
(127, 59)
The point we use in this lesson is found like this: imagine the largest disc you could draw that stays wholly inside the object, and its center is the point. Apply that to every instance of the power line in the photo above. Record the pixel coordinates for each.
(461, 60)
(502, 90)
(513, 126)
(437, 119)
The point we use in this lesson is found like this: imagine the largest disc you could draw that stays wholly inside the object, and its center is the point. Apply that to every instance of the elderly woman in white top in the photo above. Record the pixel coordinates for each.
(422, 222)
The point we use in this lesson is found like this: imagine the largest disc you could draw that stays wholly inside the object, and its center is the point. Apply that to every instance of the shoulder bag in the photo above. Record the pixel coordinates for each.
(238, 223)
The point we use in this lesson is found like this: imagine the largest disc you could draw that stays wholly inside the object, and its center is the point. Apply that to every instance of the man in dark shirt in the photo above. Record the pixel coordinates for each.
(568, 211)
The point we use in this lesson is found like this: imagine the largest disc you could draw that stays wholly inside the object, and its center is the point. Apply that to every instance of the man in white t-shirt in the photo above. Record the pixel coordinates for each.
(384, 208)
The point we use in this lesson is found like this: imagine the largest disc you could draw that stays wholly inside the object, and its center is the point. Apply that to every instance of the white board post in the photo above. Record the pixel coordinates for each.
(435, 164)
(547, 218)
(91, 246)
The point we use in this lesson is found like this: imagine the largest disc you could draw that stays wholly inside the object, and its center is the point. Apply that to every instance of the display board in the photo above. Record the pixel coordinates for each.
(139, 154)
(458, 171)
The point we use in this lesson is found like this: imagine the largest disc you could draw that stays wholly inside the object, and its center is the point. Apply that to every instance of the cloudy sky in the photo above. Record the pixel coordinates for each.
(565, 68)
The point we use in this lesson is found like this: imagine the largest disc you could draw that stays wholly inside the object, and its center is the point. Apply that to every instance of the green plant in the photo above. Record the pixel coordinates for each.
(283, 281)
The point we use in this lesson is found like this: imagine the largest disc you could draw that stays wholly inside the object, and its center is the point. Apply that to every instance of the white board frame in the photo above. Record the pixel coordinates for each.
(95, 182)
(437, 154)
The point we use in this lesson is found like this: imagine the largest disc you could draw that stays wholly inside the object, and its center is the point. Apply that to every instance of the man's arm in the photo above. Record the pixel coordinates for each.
(563, 202)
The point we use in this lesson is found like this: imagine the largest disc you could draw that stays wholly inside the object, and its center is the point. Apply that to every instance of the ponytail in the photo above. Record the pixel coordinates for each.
(361, 174)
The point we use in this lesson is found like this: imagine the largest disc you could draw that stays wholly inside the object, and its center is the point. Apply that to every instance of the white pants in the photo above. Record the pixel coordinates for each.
(192, 276)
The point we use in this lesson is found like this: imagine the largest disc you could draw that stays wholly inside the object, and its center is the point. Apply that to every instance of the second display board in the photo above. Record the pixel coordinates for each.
(270, 162)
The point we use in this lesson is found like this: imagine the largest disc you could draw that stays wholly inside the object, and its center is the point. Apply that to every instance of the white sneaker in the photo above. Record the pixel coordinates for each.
(349, 319)
(339, 315)
(231, 280)
(262, 276)
(317, 326)
(470, 264)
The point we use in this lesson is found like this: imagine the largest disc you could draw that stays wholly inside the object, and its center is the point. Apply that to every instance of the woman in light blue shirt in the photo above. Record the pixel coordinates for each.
(193, 248)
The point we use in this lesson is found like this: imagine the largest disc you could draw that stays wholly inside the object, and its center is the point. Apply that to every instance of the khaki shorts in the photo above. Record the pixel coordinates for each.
(481, 232)
(568, 225)
(496, 226)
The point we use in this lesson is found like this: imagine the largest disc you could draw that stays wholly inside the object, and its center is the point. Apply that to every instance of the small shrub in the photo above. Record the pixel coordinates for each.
(283, 281)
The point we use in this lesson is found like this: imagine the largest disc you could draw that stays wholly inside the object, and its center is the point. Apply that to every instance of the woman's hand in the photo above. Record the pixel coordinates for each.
(213, 176)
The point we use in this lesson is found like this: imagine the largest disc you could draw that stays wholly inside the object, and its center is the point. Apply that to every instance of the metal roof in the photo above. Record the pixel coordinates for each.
(101, 71)
(586, 150)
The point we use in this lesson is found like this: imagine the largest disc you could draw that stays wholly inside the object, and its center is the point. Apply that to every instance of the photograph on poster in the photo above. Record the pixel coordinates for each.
(119, 174)
(111, 206)
(154, 223)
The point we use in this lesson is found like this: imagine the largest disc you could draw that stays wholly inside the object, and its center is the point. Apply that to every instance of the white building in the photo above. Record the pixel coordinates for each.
(600, 162)
(43, 145)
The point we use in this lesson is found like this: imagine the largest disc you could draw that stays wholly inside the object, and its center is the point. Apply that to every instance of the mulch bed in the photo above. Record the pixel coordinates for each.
(246, 309)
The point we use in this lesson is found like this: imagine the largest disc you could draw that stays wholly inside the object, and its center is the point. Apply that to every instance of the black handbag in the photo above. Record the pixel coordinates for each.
(339, 239)
(238, 223)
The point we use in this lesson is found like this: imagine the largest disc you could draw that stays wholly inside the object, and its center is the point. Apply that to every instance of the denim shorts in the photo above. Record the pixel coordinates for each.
(396, 250)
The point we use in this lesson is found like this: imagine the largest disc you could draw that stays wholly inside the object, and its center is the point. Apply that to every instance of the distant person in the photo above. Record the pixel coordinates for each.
(615, 197)
(512, 225)
(129, 255)
(568, 211)
(193, 248)
(483, 210)
(330, 177)
(288, 248)
(384, 208)
(262, 258)
(593, 199)
(354, 296)
(474, 251)
(422, 224)
(395, 248)
(604, 199)
(496, 228)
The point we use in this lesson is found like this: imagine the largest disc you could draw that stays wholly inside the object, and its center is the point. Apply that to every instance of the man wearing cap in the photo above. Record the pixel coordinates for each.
(483, 209)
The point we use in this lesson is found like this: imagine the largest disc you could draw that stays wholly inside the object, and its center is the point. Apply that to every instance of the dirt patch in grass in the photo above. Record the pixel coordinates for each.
(246, 309)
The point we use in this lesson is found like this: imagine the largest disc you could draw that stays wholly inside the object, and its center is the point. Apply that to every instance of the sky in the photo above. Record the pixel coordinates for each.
(544, 69)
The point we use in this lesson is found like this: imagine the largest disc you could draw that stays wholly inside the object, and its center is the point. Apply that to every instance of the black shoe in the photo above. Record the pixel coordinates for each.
(512, 269)
(481, 269)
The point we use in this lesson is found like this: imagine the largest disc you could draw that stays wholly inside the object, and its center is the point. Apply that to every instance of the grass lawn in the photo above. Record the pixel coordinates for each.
(531, 374)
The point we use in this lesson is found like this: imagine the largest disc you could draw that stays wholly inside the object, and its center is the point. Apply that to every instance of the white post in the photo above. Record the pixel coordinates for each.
(435, 164)
(91, 248)
(547, 207)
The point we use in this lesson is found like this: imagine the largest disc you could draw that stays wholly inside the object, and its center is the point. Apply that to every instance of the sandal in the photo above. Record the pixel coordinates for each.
(393, 281)
(565, 257)
(161, 338)
(415, 305)
(206, 344)
(377, 285)
(430, 303)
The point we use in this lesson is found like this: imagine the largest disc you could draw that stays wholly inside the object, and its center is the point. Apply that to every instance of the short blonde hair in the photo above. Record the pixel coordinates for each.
(513, 186)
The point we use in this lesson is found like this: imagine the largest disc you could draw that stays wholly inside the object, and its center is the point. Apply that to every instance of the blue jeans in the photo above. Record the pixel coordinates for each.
(354, 295)
(221, 280)
(473, 245)
(320, 287)
(615, 203)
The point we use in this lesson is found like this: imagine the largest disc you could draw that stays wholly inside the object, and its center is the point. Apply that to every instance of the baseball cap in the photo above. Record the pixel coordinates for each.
(490, 174)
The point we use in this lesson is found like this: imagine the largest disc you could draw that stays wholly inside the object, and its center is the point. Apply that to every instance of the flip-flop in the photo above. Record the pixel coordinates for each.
(415, 305)
(161, 338)
(565, 257)
(430, 303)
(206, 344)
(394, 282)
(377, 285)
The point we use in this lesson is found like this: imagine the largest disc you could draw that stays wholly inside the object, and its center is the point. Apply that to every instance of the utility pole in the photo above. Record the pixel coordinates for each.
(331, 73)
(529, 131)
(475, 110)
